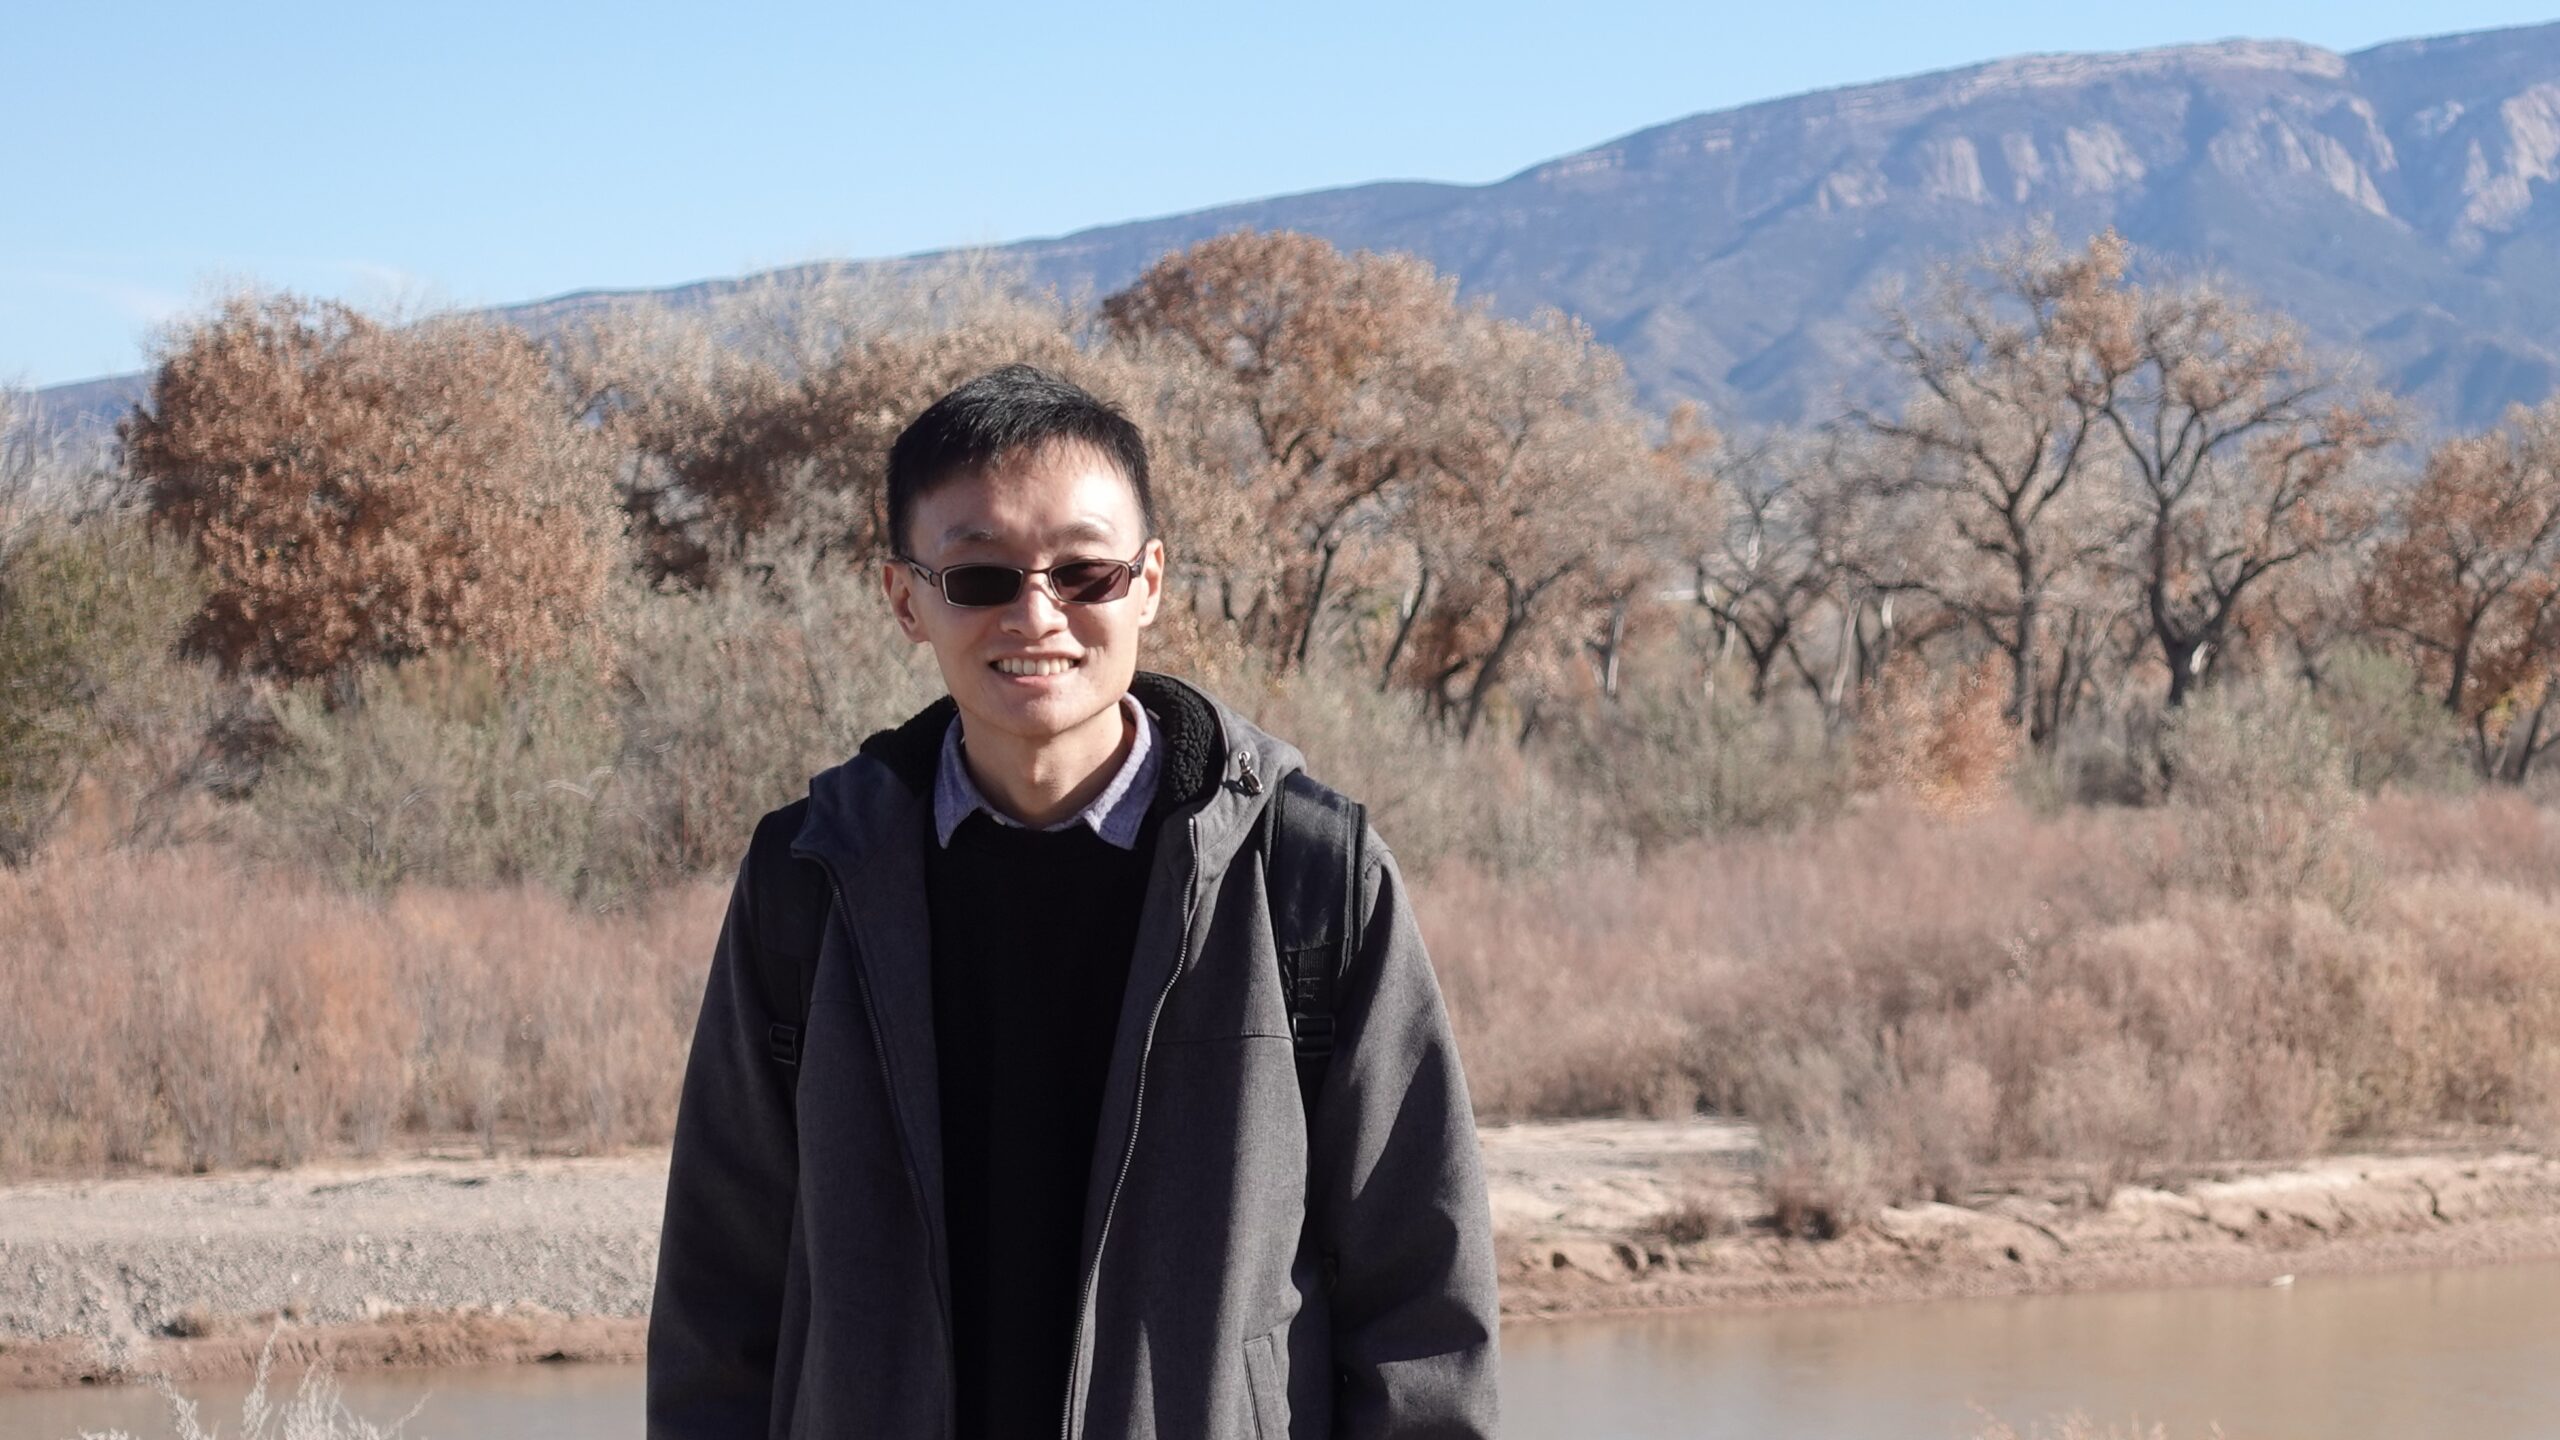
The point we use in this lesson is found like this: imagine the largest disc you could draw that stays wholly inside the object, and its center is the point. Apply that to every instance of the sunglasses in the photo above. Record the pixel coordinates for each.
(1072, 582)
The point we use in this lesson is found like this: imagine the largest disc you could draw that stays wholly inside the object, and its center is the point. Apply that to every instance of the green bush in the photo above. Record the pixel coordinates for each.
(89, 616)
(1671, 766)
(448, 770)
(2393, 735)
(2260, 796)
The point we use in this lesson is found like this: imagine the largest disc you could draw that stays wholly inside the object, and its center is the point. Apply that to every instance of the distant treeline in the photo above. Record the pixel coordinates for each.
(433, 598)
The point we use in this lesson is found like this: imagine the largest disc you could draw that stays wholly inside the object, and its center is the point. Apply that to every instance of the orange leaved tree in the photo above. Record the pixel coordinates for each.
(362, 492)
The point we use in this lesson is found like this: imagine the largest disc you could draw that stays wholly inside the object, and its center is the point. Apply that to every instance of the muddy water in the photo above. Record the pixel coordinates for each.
(2473, 1353)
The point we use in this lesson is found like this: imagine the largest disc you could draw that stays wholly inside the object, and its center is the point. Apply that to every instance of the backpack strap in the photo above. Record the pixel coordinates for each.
(787, 900)
(1311, 842)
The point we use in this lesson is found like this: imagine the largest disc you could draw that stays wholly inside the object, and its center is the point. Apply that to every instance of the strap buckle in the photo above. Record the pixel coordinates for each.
(1314, 1034)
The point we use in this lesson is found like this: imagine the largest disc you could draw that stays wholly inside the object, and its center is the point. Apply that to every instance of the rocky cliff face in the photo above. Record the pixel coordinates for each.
(2398, 200)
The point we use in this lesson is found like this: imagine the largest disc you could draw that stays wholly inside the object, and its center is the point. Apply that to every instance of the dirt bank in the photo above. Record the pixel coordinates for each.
(452, 1259)
(1606, 1216)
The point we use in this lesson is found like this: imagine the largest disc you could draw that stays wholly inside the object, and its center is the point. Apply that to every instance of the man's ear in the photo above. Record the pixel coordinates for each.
(899, 584)
(1151, 581)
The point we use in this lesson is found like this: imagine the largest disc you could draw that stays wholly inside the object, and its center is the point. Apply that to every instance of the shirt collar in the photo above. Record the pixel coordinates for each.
(1115, 815)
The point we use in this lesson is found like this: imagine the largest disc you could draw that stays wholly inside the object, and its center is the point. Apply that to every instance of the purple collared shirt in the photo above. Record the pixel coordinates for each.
(1114, 814)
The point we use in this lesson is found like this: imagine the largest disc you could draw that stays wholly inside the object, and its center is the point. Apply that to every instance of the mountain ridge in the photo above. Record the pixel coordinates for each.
(2396, 199)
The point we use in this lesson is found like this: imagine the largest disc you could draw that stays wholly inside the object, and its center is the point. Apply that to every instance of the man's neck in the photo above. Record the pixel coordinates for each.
(1042, 784)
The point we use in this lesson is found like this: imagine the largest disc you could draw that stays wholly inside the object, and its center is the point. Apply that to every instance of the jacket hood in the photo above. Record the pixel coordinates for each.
(1217, 765)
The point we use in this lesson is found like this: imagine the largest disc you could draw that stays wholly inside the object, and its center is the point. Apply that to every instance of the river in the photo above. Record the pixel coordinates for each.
(2471, 1352)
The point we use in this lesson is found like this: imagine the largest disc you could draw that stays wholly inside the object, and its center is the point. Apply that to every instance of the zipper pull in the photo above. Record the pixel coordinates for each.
(1247, 781)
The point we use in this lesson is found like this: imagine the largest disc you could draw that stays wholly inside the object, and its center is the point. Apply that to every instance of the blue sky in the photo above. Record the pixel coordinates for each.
(473, 154)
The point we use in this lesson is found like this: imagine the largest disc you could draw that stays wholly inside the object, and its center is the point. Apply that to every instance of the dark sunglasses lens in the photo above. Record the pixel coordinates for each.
(981, 584)
(1090, 582)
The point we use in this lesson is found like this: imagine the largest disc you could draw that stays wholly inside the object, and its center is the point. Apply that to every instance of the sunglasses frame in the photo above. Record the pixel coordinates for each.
(1022, 577)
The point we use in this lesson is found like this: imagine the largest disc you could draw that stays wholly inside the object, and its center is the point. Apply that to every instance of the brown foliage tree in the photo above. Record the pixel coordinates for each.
(767, 418)
(1330, 358)
(1528, 458)
(360, 492)
(2470, 582)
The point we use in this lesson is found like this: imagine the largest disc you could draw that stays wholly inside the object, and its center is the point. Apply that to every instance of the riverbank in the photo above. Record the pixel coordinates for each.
(454, 1258)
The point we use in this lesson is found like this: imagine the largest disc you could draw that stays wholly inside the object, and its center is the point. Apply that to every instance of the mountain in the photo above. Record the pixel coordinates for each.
(2398, 200)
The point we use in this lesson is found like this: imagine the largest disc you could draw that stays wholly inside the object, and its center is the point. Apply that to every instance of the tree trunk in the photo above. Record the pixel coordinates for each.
(2185, 658)
(1315, 603)
(2024, 659)
(1613, 640)
(1404, 628)
(1515, 618)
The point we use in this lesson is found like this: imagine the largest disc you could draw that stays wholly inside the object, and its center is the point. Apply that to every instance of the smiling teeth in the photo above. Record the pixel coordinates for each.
(1035, 667)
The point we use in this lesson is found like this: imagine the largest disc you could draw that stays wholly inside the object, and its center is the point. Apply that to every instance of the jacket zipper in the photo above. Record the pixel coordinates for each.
(1137, 1113)
(915, 1185)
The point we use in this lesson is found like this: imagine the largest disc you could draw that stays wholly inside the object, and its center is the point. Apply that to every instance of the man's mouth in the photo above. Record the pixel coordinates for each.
(1054, 666)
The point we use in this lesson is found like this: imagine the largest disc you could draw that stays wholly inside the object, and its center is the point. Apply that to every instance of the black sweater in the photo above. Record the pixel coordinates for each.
(1032, 933)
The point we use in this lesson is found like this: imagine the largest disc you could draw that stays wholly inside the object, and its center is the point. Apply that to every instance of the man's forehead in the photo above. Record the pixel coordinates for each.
(1061, 496)
(981, 532)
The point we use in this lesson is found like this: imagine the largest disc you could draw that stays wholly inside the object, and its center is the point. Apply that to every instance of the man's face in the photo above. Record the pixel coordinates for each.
(1031, 511)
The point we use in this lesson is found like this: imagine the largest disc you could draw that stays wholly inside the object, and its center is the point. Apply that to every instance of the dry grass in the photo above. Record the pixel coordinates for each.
(1900, 1002)
(174, 1009)
(2076, 1426)
(317, 1411)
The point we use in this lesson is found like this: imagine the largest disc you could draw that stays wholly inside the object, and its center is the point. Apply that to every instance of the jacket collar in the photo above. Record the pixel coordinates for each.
(1217, 765)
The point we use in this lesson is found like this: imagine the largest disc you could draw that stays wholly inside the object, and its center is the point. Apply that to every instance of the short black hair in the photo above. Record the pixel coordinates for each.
(1008, 411)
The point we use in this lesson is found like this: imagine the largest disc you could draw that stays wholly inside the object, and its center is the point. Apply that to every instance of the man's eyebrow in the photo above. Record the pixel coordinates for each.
(1088, 528)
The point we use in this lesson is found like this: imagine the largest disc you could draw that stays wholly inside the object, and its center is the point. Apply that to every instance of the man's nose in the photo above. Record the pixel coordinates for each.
(1036, 610)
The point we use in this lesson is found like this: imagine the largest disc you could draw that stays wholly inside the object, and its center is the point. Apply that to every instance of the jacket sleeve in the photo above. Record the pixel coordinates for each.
(715, 1317)
(1399, 1194)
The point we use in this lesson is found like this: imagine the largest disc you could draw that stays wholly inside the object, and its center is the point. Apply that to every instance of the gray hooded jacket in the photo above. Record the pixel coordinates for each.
(1251, 1270)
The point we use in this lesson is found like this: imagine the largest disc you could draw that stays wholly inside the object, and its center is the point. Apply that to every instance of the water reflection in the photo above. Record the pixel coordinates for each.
(2474, 1353)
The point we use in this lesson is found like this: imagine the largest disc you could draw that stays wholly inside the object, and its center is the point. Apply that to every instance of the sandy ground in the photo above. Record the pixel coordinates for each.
(452, 1259)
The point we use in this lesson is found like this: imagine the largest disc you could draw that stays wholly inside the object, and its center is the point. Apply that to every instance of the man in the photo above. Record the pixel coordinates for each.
(1051, 1170)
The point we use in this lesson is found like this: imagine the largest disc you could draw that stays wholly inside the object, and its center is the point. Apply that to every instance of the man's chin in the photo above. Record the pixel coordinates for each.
(1043, 714)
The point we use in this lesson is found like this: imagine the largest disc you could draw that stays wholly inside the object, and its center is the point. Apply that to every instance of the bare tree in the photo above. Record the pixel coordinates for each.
(2002, 435)
(2237, 443)
(1763, 566)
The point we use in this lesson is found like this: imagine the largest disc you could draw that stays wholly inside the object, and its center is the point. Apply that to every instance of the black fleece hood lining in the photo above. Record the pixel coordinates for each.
(1186, 725)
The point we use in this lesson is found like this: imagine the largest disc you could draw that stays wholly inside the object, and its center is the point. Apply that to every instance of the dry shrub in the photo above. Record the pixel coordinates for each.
(2494, 833)
(1672, 768)
(1694, 1217)
(2486, 1023)
(734, 698)
(533, 1015)
(1826, 1170)
(2259, 788)
(2395, 736)
(1580, 1017)
(1942, 743)
(1433, 797)
(151, 1012)
(453, 771)
(1899, 1002)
